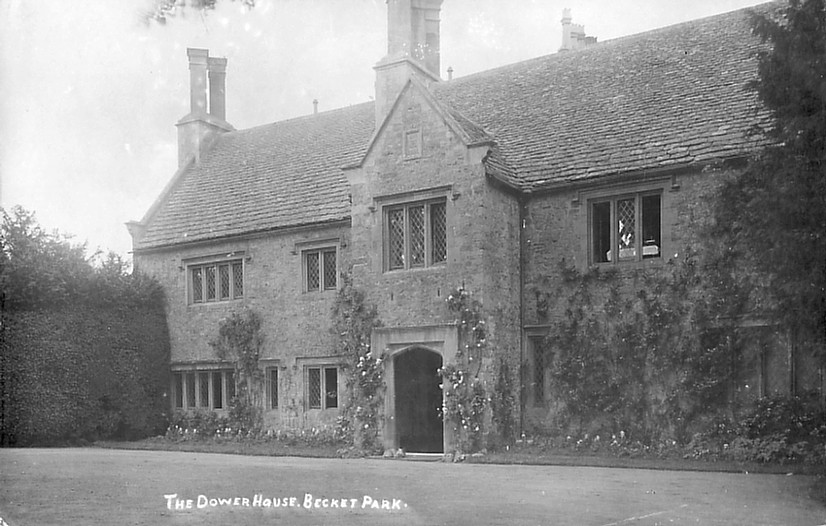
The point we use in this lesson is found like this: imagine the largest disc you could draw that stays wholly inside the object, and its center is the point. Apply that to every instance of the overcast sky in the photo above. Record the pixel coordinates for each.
(89, 95)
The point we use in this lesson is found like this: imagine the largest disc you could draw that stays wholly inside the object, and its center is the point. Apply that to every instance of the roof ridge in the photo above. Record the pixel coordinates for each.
(325, 113)
(606, 43)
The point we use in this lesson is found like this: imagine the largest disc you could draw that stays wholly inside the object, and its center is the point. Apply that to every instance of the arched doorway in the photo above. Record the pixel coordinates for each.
(418, 401)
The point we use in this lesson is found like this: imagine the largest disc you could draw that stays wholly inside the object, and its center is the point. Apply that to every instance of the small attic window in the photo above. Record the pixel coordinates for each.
(412, 144)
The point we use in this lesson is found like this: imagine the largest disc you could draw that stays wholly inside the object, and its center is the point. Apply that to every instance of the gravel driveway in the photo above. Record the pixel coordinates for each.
(100, 486)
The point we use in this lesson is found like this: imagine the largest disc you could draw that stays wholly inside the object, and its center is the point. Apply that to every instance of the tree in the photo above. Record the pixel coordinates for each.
(38, 267)
(164, 9)
(773, 215)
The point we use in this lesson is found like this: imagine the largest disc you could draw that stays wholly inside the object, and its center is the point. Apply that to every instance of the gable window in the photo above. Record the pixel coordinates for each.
(212, 282)
(320, 270)
(416, 235)
(412, 144)
(322, 387)
(627, 228)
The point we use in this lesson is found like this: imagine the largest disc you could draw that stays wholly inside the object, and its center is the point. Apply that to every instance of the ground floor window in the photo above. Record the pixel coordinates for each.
(539, 362)
(272, 388)
(322, 387)
(205, 389)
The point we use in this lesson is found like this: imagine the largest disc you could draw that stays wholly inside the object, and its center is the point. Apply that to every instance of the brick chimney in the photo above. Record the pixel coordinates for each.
(573, 35)
(412, 49)
(197, 129)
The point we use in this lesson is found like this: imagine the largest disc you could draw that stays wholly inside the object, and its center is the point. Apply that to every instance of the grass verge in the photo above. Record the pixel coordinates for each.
(516, 456)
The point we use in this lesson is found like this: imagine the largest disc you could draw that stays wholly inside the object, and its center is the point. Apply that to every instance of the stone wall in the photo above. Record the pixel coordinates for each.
(296, 323)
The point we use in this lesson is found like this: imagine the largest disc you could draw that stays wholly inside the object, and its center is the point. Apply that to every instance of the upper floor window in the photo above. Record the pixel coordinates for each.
(626, 228)
(416, 235)
(320, 270)
(216, 281)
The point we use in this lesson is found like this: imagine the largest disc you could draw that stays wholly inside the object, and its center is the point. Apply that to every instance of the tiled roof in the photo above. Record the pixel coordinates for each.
(669, 97)
(672, 96)
(282, 174)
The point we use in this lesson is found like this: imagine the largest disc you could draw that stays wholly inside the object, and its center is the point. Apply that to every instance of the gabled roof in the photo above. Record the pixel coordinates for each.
(467, 131)
(670, 97)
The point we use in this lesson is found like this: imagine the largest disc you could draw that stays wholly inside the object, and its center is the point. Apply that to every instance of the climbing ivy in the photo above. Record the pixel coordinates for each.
(353, 323)
(643, 356)
(465, 395)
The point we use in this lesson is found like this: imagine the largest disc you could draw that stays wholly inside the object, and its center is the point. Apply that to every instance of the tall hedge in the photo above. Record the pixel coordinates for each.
(84, 345)
(83, 372)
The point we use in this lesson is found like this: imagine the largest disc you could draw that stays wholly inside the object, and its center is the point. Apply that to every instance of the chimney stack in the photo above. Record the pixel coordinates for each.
(412, 49)
(197, 129)
(217, 87)
(573, 35)
(198, 61)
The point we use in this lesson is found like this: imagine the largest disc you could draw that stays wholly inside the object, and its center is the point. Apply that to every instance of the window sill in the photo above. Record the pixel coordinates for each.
(214, 303)
(400, 271)
(645, 263)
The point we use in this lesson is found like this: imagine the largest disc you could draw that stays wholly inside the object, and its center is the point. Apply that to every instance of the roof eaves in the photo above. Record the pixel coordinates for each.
(167, 190)
(154, 247)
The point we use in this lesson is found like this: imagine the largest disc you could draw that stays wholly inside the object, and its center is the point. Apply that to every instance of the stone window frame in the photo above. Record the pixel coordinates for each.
(231, 261)
(405, 202)
(187, 388)
(614, 193)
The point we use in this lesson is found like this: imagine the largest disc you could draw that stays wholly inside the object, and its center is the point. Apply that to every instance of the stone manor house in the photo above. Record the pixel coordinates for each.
(596, 155)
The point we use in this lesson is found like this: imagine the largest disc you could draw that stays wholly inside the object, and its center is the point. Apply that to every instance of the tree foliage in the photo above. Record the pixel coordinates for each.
(773, 215)
(41, 269)
(162, 10)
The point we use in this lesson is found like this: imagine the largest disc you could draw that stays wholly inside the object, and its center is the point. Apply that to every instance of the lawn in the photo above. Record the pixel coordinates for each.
(94, 486)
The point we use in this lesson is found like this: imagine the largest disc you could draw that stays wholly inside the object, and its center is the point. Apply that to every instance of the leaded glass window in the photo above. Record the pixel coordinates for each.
(322, 387)
(272, 378)
(396, 238)
(314, 388)
(203, 389)
(416, 235)
(216, 281)
(626, 228)
(320, 269)
(313, 275)
(438, 232)
(217, 390)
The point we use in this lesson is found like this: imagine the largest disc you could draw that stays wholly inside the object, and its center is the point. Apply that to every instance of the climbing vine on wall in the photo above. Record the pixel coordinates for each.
(465, 395)
(637, 354)
(353, 323)
(240, 340)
